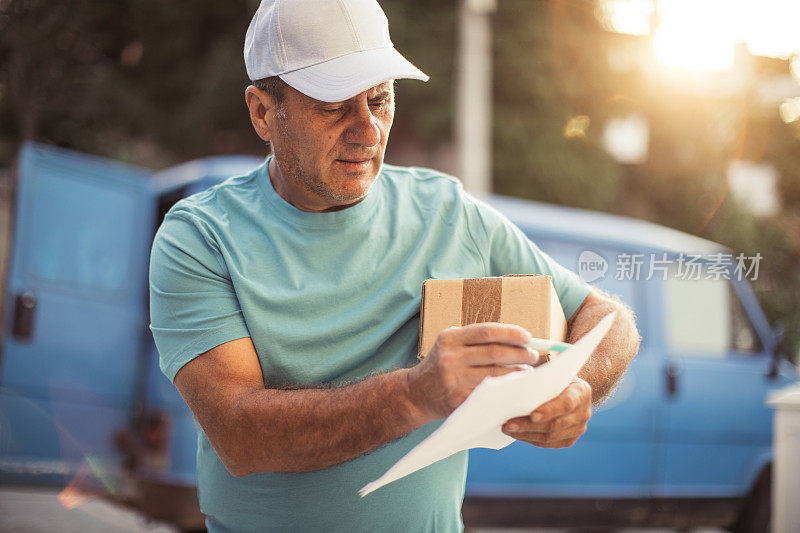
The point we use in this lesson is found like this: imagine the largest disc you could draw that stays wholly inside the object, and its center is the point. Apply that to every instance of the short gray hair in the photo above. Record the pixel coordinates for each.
(275, 87)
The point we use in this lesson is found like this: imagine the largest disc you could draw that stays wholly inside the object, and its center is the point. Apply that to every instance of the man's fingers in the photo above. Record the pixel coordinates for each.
(577, 395)
(550, 439)
(498, 354)
(559, 428)
(557, 423)
(555, 444)
(491, 332)
(561, 423)
(477, 373)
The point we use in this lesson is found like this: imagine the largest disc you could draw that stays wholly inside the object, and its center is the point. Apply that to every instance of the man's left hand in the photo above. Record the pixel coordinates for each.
(557, 423)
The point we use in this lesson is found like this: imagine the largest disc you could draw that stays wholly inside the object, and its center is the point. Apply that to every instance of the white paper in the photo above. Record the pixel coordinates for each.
(477, 423)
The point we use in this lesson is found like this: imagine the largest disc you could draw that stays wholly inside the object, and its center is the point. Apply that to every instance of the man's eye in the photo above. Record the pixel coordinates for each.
(332, 109)
(379, 103)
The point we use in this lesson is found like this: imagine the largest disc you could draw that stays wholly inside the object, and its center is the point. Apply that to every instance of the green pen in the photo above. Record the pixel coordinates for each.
(544, 345)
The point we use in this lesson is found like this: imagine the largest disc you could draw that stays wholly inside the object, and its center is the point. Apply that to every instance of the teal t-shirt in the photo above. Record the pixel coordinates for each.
(327, 298)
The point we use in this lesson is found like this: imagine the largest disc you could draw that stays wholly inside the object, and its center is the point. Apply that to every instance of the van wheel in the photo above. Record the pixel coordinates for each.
(755, 514)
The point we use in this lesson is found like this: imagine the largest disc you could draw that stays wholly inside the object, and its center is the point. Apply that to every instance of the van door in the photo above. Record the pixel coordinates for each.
(714, 431)
(74, 314)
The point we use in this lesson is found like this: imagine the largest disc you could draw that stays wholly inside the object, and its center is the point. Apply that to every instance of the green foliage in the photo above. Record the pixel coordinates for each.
(784, 152)
(425, 33)
(778, 283)
(156, 83)
(534, 98)
(146, 81)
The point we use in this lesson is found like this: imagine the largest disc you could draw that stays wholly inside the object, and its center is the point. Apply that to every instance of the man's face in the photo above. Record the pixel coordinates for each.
(329, 154)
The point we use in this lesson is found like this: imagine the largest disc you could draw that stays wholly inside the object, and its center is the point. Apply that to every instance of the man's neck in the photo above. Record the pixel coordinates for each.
(279, 182)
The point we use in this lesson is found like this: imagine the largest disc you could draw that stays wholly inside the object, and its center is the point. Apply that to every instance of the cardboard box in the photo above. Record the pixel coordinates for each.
(528, 301)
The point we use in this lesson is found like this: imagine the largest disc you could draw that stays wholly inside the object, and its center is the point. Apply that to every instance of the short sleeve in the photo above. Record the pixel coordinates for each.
(511, 252)
(193, 305)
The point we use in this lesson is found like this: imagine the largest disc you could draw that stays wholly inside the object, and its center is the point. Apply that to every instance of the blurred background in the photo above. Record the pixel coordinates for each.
(685, 113)
(677, 111)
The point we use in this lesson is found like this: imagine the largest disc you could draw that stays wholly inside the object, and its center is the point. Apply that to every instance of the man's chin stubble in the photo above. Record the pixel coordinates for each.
(321, 191)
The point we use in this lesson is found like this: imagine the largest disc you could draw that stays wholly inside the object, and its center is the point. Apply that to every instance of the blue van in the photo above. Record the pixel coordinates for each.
(685, 440)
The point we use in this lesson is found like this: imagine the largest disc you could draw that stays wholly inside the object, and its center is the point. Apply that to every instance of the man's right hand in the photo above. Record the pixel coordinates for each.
(460, 359)
(255, 429)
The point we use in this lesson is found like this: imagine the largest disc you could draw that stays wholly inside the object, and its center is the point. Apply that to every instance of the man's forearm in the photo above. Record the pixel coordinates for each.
(310, 429)
(610, 359)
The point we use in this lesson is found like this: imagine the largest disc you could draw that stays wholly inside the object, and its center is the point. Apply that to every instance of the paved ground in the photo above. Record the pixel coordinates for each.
(42, 511)
(556, 530)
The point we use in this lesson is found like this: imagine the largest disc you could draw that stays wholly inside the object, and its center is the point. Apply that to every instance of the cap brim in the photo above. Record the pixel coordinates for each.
(344, 77)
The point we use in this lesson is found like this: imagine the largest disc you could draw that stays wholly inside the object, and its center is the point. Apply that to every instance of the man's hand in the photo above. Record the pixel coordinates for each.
(557, 423)
(460, 359)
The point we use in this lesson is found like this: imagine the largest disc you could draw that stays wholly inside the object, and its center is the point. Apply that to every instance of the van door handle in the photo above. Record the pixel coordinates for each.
(672, 372)
(24, 308)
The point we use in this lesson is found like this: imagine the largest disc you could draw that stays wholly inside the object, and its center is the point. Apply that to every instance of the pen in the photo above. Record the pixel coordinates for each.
(544, 345)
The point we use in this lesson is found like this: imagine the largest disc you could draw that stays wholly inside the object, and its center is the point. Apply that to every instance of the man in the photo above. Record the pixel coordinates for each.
(284, 303)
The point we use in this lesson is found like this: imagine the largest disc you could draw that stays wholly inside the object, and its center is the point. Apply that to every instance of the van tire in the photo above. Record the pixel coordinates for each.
(755, 514)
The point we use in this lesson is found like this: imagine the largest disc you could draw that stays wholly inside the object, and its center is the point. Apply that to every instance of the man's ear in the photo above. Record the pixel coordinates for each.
(262, 111)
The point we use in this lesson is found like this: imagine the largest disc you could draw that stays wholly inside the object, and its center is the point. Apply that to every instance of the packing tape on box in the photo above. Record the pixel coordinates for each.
(481, 300)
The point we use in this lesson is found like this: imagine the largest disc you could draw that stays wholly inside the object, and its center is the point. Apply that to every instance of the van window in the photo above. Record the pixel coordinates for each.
(744, 337)
(568, 254)
(705, 317)
(166, 201)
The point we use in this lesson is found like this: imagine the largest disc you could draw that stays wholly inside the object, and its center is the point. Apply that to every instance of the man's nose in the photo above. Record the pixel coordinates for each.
(364, 128)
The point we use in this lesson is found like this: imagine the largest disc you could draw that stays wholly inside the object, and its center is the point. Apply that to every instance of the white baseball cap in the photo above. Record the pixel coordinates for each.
(330, 50)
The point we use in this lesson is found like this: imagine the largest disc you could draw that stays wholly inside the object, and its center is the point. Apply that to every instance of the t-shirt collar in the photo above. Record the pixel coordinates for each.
(310, 219)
